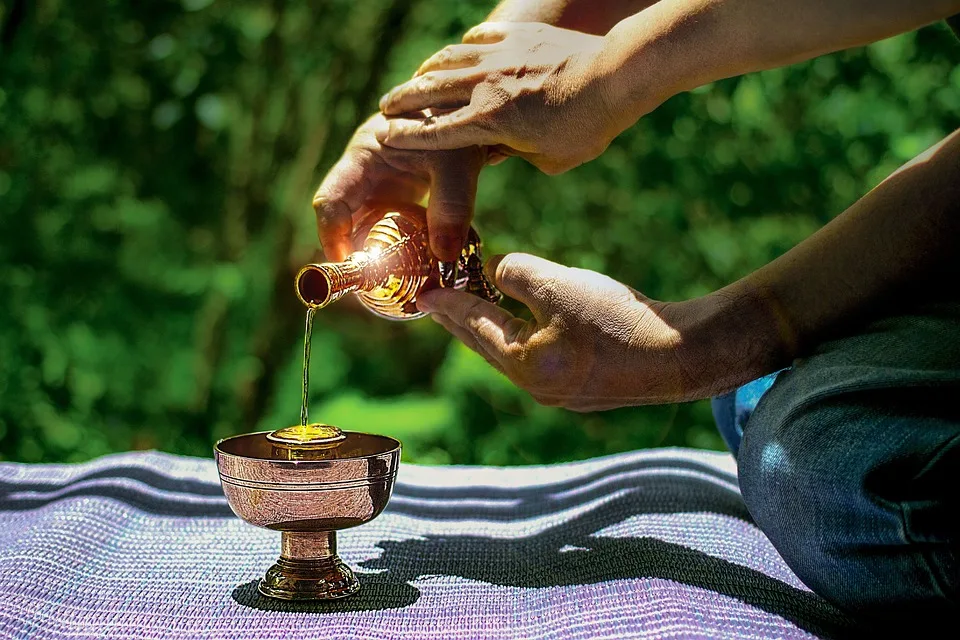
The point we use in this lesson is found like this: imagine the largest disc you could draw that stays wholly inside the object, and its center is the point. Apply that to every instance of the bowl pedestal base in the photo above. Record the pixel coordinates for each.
(309, 569)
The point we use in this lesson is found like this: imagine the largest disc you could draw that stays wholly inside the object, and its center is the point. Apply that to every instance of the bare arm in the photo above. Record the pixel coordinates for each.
(882, 252)
(677, 45)
(588, 16)
(517, 87)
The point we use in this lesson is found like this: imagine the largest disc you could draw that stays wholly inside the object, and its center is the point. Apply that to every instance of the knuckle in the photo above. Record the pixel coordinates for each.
(519, 355)
(474, 325)
(528, 361)
(552, 167)
(433, 133)
(428, 131)
(513, 352)
(554, 164)
(331, 212)
(426, 82)
(449, 211)
(483, 123)
(475, 33)
(471, 317)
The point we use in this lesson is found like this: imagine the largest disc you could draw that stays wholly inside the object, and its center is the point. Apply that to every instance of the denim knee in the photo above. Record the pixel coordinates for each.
(856, 490)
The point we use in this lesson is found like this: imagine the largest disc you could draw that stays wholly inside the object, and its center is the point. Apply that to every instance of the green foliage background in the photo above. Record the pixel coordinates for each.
(157, 162)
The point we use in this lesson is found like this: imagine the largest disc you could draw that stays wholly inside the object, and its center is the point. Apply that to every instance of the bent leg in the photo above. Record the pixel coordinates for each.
(851, 466)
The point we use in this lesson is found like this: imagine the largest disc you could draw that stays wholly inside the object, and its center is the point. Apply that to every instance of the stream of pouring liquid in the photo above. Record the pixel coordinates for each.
(306, 433)
(305, 394)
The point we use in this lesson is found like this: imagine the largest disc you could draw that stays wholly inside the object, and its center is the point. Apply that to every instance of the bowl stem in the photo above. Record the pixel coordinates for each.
(309, 569)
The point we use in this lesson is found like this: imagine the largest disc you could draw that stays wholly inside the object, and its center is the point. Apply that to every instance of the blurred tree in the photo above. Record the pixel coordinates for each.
(157, 162)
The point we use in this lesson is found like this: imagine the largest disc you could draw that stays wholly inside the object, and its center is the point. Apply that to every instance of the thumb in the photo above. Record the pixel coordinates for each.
(453, 191)
(527, 278)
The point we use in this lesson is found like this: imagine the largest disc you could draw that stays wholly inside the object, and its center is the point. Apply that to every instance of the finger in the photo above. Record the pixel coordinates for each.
(487, 33)
(453, 191)
(437, 89)
(455, 130)
(495, 330)
(466, 338)
(527, 278)
(455, 56)
(339, 196)
(458, 332)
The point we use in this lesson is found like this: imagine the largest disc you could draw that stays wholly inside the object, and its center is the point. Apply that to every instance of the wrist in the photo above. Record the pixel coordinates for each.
(640, 67)
(729, 338)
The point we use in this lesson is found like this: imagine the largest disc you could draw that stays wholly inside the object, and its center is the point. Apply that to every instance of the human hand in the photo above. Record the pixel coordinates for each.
(593, 343)
(526, 89)
(369, 174)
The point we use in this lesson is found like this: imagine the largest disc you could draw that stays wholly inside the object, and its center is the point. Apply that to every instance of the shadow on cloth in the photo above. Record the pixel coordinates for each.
(569, 554)
(378, 592)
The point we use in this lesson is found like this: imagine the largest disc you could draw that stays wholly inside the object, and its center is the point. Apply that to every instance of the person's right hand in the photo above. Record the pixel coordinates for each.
(525, 89)
(369, 174)
(592, 343)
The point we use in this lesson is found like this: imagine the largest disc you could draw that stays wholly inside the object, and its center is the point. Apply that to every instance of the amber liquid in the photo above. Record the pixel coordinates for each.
(305, 431)
(305, 392)
(306, 434)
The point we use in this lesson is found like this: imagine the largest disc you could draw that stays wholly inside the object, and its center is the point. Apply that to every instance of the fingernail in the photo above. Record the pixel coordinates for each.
(490, 268)
(383, 101)
(448, 247)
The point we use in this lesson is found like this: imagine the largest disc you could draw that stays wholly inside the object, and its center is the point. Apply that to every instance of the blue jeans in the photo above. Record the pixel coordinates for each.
(849, 461)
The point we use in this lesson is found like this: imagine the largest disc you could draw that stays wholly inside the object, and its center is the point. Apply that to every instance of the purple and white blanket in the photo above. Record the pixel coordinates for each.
(652, 544)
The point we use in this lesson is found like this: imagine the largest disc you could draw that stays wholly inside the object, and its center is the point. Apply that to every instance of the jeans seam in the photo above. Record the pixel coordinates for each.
(928, 565)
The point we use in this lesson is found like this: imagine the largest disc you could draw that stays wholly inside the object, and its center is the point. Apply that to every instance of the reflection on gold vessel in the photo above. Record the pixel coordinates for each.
(308, 482)
(393, 267)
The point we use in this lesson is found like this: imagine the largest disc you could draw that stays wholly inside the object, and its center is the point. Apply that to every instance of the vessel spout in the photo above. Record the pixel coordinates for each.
(320, 284)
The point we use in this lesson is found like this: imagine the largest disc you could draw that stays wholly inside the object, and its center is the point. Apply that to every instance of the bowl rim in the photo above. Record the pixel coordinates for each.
(220, 452)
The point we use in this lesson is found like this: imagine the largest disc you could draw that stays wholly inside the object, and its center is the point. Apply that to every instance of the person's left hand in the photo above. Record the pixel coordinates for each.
(525, 89)
(593, 343)
(370, 178)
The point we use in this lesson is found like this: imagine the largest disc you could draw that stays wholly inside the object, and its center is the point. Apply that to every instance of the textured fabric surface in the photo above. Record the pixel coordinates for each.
(650, 544)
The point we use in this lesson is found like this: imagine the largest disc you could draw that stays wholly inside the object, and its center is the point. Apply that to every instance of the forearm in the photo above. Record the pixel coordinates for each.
(677, 45)
(588, 16)
(889, 248)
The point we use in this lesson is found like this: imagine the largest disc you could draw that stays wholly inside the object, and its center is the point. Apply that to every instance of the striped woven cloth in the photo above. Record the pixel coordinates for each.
(650, 544)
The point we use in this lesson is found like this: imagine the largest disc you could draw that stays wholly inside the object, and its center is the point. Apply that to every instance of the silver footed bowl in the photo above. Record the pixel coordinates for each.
(308, 490)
